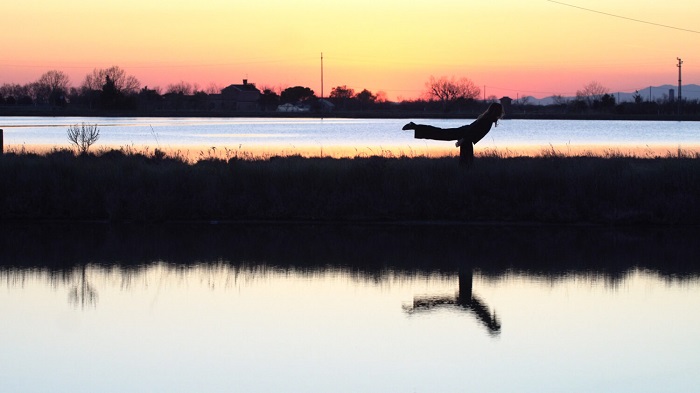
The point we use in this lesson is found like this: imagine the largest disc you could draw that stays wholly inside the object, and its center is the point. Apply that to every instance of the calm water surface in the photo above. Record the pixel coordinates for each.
(348, 309)
(282, 136)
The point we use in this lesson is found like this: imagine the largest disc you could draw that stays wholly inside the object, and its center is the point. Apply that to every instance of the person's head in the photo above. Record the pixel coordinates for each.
(494, 113)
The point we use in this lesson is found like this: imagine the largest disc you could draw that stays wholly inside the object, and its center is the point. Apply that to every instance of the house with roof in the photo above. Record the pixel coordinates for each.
(236, 98)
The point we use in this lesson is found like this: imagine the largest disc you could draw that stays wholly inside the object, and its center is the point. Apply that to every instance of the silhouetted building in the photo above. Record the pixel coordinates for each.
(237, 98)
(506, 102)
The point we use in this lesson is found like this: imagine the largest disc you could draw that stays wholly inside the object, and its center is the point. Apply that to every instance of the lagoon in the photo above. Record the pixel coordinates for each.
(318, 308)
(194, 137)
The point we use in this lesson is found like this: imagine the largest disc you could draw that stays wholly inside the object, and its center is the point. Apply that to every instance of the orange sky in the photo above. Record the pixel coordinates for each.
(508, 47)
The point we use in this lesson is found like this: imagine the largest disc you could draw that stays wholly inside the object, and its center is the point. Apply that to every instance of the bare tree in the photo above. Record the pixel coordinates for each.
(447, 91)
(591, 93)
(56, 80)
(37, 93)
(51, 87)
(125, 84)
(116, 80)
(213, 88)
(525, 100)
(13, 90)
(83, 136)
(183, 87)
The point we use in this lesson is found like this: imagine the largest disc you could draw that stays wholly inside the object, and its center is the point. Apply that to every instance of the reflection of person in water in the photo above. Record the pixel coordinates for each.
(466, 136)
(464, 299)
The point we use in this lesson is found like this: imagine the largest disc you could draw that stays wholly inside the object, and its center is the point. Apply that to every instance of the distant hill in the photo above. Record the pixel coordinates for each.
(690, 92)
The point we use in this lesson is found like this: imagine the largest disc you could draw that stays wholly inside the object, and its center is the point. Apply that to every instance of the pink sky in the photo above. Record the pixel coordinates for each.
(507, 47)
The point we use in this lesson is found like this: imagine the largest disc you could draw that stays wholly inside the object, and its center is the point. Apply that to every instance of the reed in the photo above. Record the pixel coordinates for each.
(553, 187)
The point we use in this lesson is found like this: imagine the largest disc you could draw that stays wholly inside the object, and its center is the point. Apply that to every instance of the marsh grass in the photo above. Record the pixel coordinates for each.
(230, 184)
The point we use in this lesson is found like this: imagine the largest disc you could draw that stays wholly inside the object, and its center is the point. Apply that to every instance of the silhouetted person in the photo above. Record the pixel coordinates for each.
(466, 136)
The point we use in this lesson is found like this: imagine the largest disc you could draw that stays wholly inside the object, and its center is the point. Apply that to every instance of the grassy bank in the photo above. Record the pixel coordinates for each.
(552, 188)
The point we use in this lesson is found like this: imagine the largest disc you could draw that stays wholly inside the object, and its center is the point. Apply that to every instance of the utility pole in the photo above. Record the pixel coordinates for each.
(321, 74)
(680, 96)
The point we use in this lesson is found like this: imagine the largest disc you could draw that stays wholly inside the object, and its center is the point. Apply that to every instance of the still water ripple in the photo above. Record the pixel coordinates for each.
(215, 308)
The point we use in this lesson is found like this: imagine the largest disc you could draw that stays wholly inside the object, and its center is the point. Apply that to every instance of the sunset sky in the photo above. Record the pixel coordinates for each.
(507, 47)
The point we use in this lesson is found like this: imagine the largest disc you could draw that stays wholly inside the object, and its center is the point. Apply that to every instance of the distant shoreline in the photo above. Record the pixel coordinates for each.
(388, 114)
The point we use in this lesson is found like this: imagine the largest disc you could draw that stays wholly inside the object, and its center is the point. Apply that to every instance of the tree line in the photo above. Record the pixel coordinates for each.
(113, 89)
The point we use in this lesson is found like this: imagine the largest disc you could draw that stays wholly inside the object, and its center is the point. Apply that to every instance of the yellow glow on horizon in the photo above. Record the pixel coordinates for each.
(510, 46)
(193, 153)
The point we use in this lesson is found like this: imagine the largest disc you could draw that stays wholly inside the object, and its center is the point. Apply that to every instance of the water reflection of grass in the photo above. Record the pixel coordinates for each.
(125, 185)
(552, 251)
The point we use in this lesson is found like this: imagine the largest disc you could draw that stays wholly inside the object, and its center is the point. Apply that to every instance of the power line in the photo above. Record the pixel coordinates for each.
(167, 65)
(625, 17)
(527, 91)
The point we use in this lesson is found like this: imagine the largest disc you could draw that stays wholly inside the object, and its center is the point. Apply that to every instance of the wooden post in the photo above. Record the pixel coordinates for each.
(2, 147)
